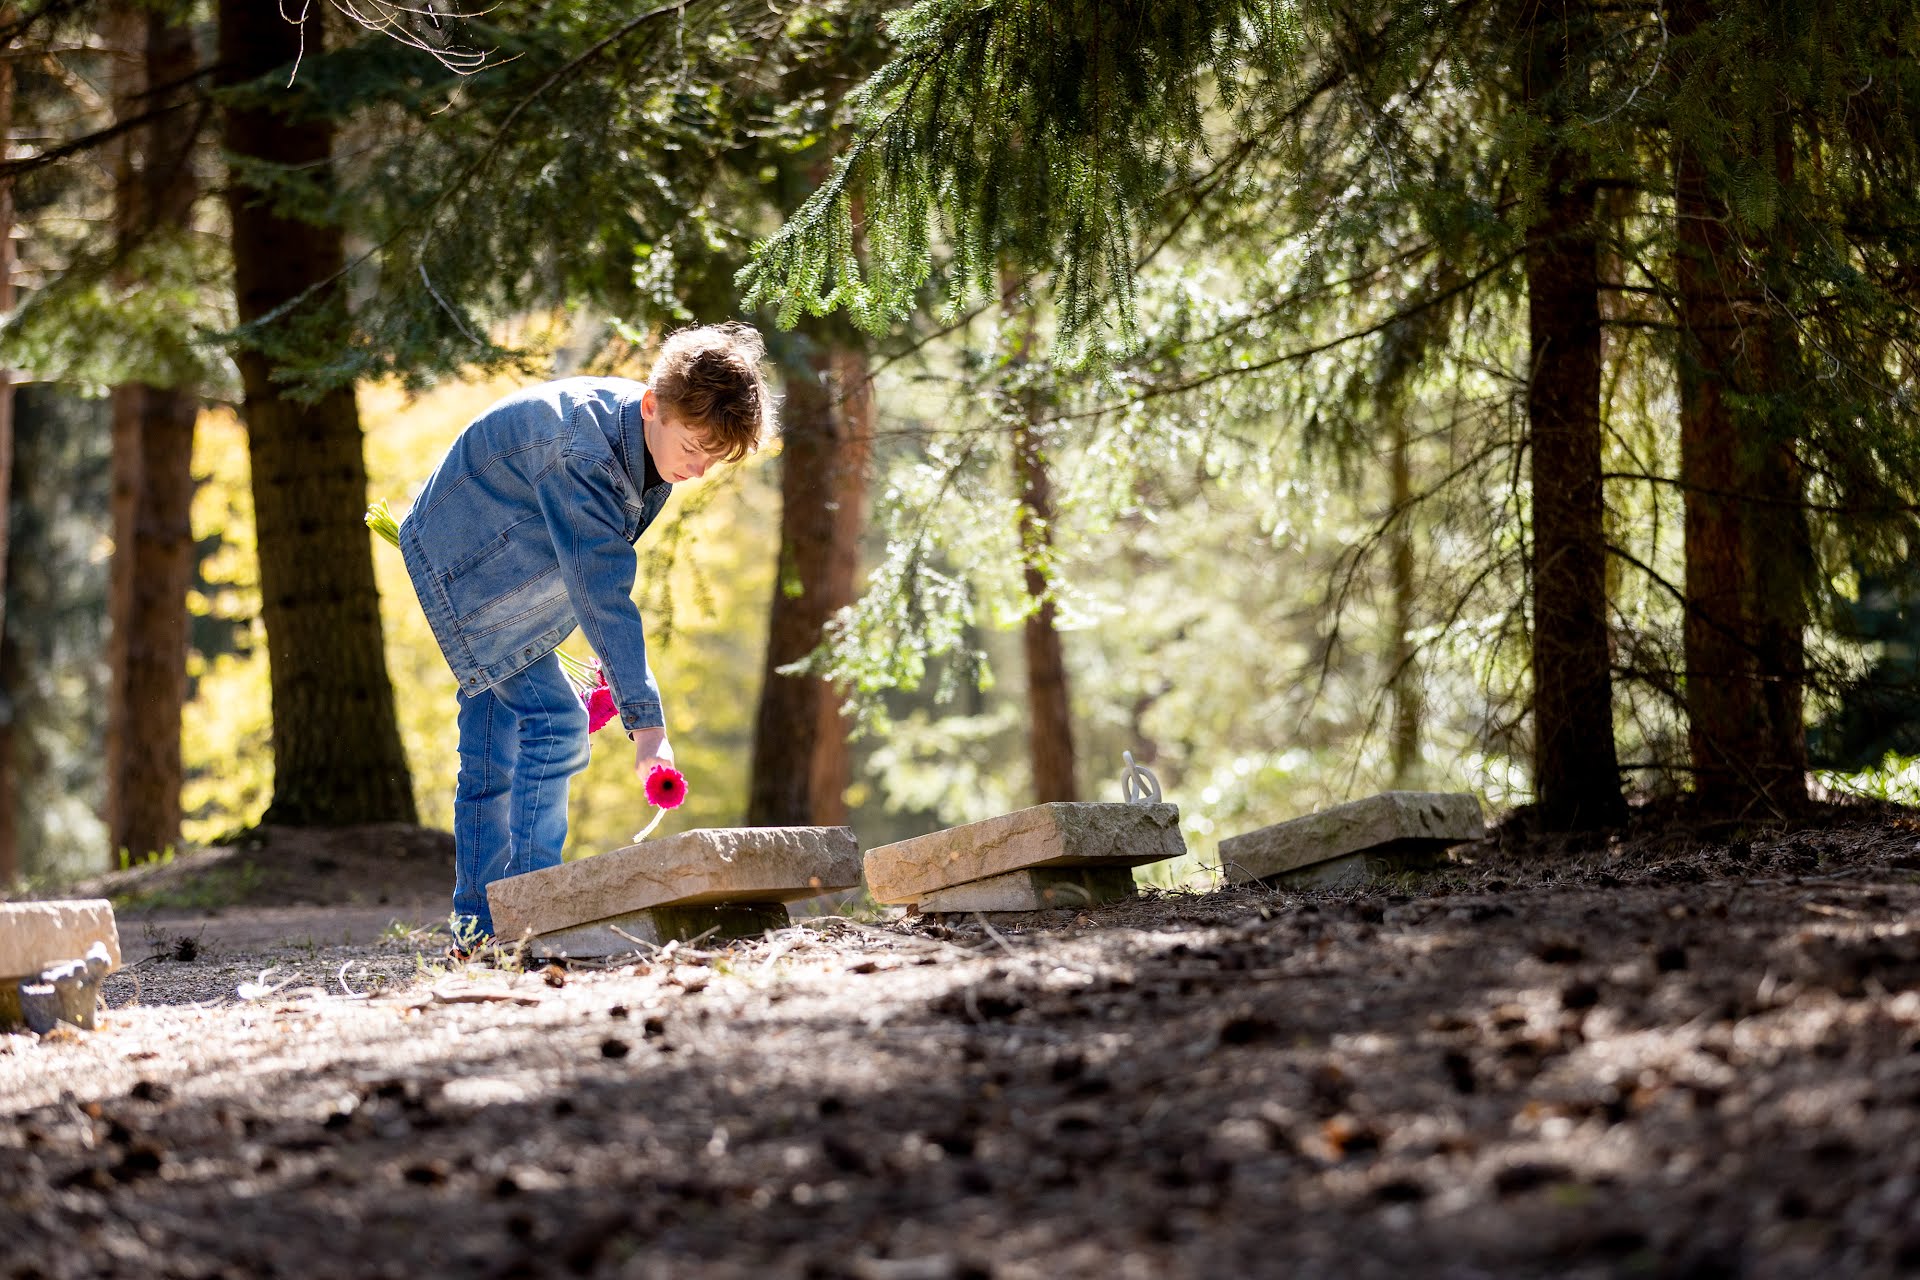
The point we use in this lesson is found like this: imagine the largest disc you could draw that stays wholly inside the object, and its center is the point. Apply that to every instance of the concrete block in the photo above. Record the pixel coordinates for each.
(52, 958)
(36, 935)
(1076, 835)
(1351, 843)
(1038, 890)
(65, 992)
(755, 865)
(658, 925)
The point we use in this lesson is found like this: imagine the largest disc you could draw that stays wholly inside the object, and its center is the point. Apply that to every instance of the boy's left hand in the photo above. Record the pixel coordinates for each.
(650, 748)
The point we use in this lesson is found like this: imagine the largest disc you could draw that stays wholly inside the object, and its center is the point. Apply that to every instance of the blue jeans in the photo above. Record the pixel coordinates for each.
(521, 742)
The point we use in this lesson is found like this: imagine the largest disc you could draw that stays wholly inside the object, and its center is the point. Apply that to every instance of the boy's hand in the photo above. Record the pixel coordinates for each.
(650, 748)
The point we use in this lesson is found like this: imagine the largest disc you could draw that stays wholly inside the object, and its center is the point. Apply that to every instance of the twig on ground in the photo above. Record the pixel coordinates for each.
(341, 977)
(473, 997)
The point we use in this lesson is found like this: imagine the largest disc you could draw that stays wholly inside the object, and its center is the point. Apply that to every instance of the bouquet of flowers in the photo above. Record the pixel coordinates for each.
(588, 680)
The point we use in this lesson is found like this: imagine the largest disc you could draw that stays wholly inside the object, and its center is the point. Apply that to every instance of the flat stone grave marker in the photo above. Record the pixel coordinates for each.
(52, 957)
(733, 882)
(1352, 843)
(1051, 855)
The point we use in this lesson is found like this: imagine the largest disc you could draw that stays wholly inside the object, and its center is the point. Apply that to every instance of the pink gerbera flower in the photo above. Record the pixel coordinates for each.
(666, 788)
(600, 708)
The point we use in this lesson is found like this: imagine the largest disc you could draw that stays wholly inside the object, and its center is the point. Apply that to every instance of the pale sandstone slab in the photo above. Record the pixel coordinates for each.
(1387, 832)
(1040, 890)
(702, 867)
(34, 935)
(1077, 835)
(657, 926)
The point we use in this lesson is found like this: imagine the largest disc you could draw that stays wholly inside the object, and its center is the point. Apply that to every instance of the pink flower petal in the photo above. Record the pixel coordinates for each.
(666, 788)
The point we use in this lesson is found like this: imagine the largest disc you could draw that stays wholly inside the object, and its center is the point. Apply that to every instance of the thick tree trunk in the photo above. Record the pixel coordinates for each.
(336, 741)
(1404, 680)
(1049, 695)
(853, 389)
(1715, 565)
(1746, 539)
(9, 841)
(147, 647)
(1049, 711)
(1722, 692)
(823, 465)
(152, 486)
(1782, 549)
(1576, 771)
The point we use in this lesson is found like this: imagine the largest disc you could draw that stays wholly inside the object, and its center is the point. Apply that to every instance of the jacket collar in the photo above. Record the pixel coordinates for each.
(632, 441)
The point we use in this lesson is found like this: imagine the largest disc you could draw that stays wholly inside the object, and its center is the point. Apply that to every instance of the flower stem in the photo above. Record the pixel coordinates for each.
(647, 830)
(381, 521)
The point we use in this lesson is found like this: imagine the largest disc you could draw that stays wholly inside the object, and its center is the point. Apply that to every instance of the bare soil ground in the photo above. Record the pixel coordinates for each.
(1674, 1053)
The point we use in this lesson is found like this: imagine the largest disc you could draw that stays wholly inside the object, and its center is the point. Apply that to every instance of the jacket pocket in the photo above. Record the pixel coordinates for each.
(486, 550)
(514, 609)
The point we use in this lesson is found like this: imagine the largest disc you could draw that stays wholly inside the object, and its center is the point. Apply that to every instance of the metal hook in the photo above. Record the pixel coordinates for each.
(1137, 784)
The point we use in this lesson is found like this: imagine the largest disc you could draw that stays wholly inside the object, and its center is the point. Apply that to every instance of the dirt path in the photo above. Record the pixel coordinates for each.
(1700, 1060)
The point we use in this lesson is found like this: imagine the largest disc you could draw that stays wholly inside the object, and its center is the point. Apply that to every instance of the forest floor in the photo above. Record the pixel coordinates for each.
(1674, 1052)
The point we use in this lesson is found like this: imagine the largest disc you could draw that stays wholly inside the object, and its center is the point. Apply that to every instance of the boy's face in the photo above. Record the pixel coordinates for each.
(678, 450)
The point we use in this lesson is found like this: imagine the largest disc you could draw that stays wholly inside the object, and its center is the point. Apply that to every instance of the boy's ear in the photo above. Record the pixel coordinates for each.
(648, 404)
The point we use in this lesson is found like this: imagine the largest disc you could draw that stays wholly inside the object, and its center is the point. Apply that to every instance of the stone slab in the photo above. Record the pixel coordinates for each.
(36, 935)
(1390, 831)
(1062, 834)
(703, 867)
(1044, 889)
(64, 992)
(657, 926)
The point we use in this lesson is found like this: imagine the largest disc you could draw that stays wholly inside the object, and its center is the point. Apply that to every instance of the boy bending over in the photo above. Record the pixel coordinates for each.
(524, 531)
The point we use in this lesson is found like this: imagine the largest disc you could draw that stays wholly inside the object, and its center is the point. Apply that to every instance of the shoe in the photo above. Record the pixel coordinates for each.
(484, 952)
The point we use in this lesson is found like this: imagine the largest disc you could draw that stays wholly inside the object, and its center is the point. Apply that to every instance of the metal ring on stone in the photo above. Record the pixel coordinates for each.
(1137, 784)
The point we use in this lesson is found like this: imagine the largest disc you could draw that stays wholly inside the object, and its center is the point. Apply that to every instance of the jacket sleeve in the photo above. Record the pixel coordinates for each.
(580, 501)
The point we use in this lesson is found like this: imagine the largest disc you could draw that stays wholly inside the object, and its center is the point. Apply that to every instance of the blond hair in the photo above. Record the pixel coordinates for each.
(712, 379)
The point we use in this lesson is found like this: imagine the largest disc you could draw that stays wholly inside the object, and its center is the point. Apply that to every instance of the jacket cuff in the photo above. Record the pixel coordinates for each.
(642, 716)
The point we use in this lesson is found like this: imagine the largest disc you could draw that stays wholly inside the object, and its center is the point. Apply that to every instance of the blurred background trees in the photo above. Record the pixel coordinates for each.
(1513, 397)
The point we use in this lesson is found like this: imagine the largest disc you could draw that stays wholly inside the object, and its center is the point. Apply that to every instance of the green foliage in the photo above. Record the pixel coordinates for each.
(149, 319)
(477, 201)
(1046, 130)
(1895, 780)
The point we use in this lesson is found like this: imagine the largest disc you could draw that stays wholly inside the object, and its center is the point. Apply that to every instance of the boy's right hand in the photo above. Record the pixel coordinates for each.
(650, 748)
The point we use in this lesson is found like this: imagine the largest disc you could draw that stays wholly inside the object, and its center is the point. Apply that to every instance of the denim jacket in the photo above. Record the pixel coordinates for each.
(526, 528)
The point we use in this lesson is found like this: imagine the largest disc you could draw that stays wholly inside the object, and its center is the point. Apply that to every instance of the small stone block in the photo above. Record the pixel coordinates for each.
(1392, 831)
(64, 992)
(1042, 890)
(754, 865)
(1062, 834)
(657, 926)
(37, 935)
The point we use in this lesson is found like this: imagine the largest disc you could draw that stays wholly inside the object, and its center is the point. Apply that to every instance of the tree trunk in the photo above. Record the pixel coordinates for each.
(336, 741)
(1049, 702)
(9, 841)
(1576, 771)
(826, 438)
(1721, 689)
(1049, 712)
(1404, 680)
(1782, 543)
(152, 484)
(1746, 540)
(853, 389)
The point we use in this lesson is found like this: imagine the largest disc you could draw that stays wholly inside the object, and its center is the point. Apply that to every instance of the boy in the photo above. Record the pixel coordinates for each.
(526, 530)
